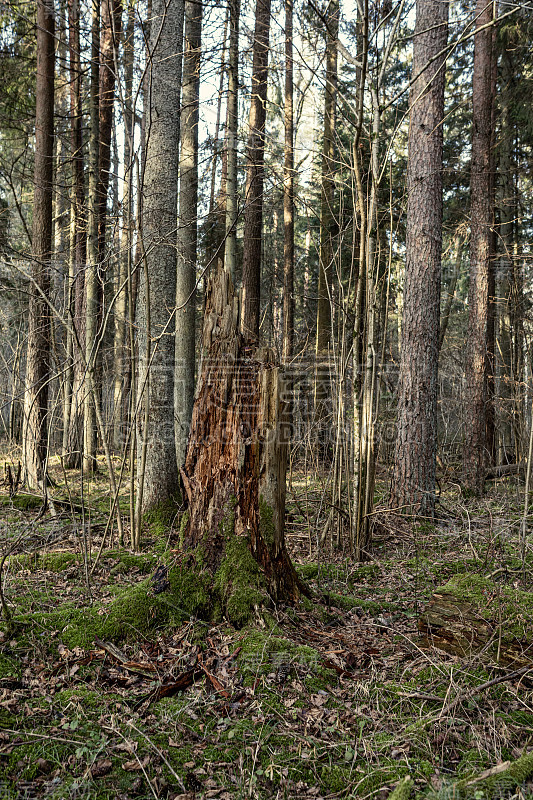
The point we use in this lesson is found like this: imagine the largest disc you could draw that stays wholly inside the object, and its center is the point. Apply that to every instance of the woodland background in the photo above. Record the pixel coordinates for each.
(221, 219)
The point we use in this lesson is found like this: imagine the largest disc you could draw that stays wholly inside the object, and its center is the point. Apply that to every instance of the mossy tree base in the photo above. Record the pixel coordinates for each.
(234, 472)
(471, 613)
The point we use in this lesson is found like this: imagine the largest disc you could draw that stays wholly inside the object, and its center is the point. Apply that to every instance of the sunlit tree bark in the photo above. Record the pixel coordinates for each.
(255, 173)
(157, 464)
(38, 352)
(413, 482)
(476, 446)
(188, 227)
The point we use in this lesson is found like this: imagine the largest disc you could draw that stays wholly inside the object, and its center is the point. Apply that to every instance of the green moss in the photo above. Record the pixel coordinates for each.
(183, 527)
(264, 652)
(472, 763)
(9, 668)
(267, 529)
(307, 571)
(517, 773)
(161, 518)
(135, 611)
(403, 790)
(144, 562)
(89, 700)
(335, 779)
(364, 572)
(494, 602)
(51, 562)
(24, 502)
(239, 583)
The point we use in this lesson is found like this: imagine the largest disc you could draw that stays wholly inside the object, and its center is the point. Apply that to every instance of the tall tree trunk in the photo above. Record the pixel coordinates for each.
(232, 124)
(120, 316)
(413, 483)
(450, 295)
(111, 25)
(72, 446)
(476, 446)
(188, 227)
(38, 354)
(157, 465)
(255, 173)
(507, 213)
(91, 273)
(223, 70)
(288, 194)
(328, 225)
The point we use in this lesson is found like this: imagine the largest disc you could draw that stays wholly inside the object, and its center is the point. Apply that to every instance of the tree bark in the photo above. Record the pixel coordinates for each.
(476, 446)
(157, 465)
(232, 126)
(255, 173)
(78, 235)
(188, 228)
(109, 41)
(328, 224)
(121, 368)
(507, 213)
(234, 473)
(91, 273)
(38, 353)
(413, 482)
(288, 194)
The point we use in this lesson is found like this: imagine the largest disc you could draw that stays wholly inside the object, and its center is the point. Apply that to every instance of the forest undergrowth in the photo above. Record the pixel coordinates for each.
(340, 697)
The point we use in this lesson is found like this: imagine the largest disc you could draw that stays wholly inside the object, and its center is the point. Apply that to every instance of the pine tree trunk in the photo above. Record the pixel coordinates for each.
(507, 213)
(255, 173)
(288, 194)
(121, 369)
(109, 42)
(234, 473)
(76, 338)
(413, 482)
(476, 446)
(232, 126)
(157, 465)
(216, 135)
(328, 225)
(38, 353)
(91, 279)
(188, 228)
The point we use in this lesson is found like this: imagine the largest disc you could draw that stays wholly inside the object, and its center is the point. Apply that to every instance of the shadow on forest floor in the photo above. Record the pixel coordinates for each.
(337, 698)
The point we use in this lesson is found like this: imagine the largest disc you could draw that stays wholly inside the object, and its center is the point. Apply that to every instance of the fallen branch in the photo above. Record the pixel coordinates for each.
(517, 673)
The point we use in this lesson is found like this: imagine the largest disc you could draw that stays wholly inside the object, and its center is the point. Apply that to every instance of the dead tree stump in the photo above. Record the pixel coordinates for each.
(471, 614)
(234, 471)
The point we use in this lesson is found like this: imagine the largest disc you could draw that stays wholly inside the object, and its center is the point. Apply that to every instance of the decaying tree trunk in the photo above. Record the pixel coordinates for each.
(472, 614)
(234, 472)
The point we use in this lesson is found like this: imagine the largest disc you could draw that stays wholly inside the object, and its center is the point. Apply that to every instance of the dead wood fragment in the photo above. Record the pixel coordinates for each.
(234, 471)
(131, 666)
(471, 613)
(504, 469)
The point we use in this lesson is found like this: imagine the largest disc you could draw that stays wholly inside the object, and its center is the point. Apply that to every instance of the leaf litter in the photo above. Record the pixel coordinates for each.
(338, 699)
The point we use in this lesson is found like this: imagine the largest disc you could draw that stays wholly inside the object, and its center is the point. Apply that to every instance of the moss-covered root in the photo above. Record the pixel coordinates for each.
(496, 781)
(403, 789)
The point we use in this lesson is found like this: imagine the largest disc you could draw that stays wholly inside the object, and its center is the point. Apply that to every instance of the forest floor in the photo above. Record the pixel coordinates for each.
(338, 698)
